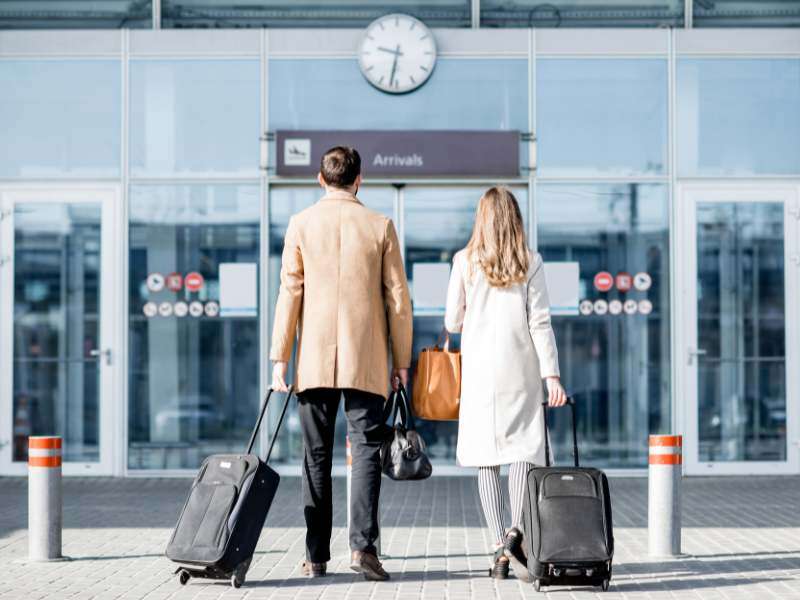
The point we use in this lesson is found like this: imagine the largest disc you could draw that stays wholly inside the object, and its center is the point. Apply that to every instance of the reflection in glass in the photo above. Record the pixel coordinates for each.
(193, 379)
(80, 14)
(738, 116)
(601, 116)
(746, 13)
(438, 223)
(285, 202)
(741, 326)
(461, 94)
(617, 366)
(57, 326)
(581, 13)
(60, 118)
(318, 13)
(194, 117)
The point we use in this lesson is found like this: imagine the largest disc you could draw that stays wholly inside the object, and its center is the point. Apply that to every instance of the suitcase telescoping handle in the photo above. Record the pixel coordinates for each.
(261, 414)
(571, 403)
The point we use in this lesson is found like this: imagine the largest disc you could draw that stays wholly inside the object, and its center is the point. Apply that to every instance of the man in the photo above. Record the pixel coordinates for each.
(344, 291)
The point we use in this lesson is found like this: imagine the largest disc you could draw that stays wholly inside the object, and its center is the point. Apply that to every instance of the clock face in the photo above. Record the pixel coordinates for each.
(397, 54)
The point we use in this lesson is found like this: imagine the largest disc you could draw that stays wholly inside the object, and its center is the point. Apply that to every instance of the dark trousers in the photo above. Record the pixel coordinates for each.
(317, 409)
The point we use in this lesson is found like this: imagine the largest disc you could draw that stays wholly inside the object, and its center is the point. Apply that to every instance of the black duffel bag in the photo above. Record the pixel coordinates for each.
(403, 455)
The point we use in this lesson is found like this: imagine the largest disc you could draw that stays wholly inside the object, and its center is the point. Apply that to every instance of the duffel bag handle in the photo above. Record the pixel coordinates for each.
(261, 414)
(571, 403)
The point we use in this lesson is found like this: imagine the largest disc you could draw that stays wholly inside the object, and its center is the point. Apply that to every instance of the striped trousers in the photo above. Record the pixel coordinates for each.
(492, 497)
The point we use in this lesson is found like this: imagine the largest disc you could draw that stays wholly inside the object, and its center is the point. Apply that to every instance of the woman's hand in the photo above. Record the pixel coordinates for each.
(555, 391)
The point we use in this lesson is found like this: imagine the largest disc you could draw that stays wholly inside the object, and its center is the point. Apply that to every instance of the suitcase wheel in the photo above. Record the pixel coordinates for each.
(604, 585)
(235, 581)
(183, 577)
(537, 585)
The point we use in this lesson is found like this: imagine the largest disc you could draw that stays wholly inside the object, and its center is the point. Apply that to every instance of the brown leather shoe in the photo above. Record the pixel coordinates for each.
(312, 569)
(368, 565)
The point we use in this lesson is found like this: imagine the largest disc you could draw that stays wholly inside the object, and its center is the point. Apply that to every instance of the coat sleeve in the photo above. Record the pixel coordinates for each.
(290, 297)
(456, 298)
(396, 299)
(538, 307)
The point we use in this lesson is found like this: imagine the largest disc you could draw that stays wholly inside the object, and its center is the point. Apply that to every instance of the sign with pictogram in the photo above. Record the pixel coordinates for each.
(181, 309)
(642, 281)
(174, 282)
(196, 309)
(645, 306)
(624, 281)
(212, 309)
(615, 307)
(150, 309)
(155, 282)
(603, 282)
(193, 281)
(630, 307)
(165, 309)
(600, 307)
(586, 307)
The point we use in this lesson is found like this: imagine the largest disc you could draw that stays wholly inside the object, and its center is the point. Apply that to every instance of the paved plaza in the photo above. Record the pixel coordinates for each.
(742, 535)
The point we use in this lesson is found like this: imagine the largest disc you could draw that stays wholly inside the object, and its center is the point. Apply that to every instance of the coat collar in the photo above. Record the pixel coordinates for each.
(341, 195)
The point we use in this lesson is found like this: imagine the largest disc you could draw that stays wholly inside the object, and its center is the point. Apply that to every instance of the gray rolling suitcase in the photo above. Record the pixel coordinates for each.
(568, 534)
(220, 524)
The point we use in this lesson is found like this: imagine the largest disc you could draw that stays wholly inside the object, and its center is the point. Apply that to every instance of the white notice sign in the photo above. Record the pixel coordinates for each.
(238, 290)
(562, 287)
(430, 285)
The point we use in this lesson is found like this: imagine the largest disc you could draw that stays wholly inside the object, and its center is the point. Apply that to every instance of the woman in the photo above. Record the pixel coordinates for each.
(497, 298)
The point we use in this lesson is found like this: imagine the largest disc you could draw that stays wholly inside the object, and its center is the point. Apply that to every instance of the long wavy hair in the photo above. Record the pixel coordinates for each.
(498, 243)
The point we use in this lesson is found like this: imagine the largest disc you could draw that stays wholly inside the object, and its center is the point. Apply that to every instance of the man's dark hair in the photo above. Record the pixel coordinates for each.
(340, 166)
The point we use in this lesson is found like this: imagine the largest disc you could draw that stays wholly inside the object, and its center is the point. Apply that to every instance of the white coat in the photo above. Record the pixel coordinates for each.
(507, 348)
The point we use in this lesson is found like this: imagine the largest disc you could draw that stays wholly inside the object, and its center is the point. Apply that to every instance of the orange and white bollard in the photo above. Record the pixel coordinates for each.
(664, 496)
(44, 498)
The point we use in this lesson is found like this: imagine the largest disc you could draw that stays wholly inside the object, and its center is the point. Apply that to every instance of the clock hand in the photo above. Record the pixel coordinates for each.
(390, 51)
(394, 64)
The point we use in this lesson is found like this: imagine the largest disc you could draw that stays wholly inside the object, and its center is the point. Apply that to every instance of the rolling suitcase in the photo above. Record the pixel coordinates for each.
(567, 519)
(220, 524)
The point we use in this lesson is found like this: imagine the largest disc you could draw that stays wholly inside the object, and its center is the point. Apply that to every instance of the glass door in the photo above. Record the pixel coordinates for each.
(57, 288)
(740, 345)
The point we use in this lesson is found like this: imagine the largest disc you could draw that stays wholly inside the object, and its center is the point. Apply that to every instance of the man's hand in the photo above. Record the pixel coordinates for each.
(556, 394)
(279, 371)
(399, 376)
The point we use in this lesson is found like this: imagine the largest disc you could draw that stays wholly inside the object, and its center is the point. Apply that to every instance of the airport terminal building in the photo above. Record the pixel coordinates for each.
(151, 154)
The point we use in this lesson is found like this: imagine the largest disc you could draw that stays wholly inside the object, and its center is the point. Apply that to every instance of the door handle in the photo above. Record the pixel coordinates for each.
(97, 353)
(696, 352)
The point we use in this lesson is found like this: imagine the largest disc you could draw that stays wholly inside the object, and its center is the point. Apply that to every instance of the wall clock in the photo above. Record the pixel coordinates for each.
(397, 53)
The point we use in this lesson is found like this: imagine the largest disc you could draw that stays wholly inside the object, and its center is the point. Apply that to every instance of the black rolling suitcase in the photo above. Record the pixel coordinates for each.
(567, 518)
(220, 524)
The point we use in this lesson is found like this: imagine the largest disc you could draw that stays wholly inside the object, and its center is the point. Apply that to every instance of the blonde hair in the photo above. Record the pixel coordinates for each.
(498, 243)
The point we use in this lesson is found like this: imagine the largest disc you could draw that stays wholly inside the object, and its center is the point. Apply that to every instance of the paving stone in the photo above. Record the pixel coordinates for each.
(741, 534)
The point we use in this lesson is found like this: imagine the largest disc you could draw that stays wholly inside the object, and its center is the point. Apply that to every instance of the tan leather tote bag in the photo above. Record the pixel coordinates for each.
(437, 382)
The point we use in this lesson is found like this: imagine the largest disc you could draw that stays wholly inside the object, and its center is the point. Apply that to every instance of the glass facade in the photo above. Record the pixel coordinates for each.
(174, 126)
(581, 13)
(75, 14)
(56, 375)
(176, 129)
(321, 13)
(738, 116)
(741, 324)
(617, 366)
(39, 98)
(604, 117)
(193, 376)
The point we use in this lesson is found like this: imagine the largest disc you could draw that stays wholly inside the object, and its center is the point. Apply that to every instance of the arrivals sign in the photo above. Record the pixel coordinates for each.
(405, 153)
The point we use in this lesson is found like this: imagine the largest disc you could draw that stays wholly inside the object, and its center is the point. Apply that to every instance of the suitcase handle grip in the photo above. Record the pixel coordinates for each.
(571, 403)
(261, 414)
